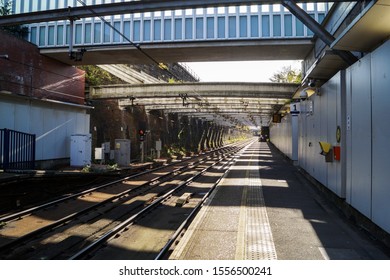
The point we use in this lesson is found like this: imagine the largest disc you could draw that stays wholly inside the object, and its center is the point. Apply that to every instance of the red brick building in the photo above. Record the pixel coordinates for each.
(25, 72)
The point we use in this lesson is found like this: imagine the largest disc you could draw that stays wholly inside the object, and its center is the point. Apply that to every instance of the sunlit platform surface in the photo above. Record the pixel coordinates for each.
(265, 209)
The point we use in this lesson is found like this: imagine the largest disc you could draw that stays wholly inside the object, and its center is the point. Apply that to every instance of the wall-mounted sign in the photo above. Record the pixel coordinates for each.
(338, 134)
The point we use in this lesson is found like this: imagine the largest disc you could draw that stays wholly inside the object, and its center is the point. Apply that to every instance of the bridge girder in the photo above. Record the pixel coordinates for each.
(250, 104)
(128, 7)
(195, 90)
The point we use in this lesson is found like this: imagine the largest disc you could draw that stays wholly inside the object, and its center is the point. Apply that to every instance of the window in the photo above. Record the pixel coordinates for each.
(265, 26)
(33, 35)
(188, 28)
(232, 27)
(34, 7)
(147, 30)
(88, 33)
(276, 8)
(67, 34)
(51, 36)
(60, 35)
(254, 26)
(42, 35)
(126, 29)
(299, 28)
(137, 31)
(221, 27)
(243, 26)
(321, 17)
(199, 28)
(107, 33)
(178, 28)
(210, 27)
(78, 34)
(168, 29)
(157, 30)
(116, 35)
(288, 25)
(277, 26)
(97, 33)
(310, 7)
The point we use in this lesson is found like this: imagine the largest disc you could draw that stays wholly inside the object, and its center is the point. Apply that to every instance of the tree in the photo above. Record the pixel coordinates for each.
(287, 75)
(96, 76)
(17, 30)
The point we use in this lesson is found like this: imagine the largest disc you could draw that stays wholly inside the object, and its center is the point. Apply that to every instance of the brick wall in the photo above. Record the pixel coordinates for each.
(27, 72)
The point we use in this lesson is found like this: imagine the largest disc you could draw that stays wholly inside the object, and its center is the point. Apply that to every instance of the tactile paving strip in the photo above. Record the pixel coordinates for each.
(258, 237)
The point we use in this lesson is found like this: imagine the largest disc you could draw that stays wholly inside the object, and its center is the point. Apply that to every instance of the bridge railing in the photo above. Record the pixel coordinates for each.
(203, 24)
(17, 150)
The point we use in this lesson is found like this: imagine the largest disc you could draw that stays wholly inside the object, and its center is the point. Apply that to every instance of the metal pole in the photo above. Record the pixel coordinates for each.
(71, 38)
(142, 152)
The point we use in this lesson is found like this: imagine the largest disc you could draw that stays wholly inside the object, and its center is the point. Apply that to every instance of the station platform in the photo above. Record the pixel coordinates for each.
(265, 209)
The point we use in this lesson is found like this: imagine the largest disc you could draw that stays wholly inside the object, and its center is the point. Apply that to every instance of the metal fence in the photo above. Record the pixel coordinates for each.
(17, 150)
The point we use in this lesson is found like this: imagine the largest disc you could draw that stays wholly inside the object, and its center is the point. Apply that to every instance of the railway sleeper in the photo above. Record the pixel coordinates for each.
(183, 199)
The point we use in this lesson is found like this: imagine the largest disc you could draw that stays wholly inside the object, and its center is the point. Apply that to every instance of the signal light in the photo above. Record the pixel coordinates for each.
(141, 134)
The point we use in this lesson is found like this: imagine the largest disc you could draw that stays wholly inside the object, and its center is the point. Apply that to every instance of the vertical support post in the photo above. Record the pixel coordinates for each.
(6, 149)
(71, 27)
(142, 152)
(343, 142)
(295, 136)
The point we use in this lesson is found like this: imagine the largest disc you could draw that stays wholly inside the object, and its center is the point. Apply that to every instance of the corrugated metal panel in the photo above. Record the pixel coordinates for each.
(333, 98)
(281, 135)
(361, 136)
(380, 136)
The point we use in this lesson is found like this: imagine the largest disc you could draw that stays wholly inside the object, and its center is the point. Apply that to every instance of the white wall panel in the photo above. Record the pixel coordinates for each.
(280, 135)
(360, 196)
(52, 124)
(313, 136)
(356, 100)
(22, 112)
(302, 142)
(7, 111)
(381, 136)
(322, 120)
(333, 88)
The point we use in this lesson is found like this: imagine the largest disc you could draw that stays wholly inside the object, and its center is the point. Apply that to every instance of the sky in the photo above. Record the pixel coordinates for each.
(240, 71)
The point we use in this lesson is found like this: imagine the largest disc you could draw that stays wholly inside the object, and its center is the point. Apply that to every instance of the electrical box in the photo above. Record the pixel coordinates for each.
(122, 152)
(336, 153)
(80, 150)
(106, 147)
(99, 153)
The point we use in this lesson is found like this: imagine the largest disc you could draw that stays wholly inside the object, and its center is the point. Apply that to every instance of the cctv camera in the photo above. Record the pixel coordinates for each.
(312, 83)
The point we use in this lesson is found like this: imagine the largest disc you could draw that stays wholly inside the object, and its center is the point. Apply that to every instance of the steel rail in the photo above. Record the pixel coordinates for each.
(72, 216)
(28, 211)
(114, 231)
(183, 225)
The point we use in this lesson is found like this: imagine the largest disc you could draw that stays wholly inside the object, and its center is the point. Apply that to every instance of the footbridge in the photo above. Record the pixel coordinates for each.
(166, 31)
(325, 35)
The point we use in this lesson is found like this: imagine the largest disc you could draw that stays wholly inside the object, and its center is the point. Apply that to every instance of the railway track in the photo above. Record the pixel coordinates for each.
(80, 225)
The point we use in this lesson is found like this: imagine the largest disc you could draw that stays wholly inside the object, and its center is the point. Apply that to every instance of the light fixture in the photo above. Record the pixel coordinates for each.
(309, 91)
